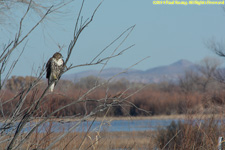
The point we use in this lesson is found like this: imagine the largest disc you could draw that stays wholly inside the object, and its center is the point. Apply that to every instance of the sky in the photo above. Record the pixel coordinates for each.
(166, 33)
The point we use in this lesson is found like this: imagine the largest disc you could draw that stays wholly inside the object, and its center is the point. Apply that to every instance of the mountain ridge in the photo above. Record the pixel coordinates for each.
(171, 72)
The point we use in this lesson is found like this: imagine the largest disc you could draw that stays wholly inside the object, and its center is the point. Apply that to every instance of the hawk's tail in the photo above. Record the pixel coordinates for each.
(52, 87)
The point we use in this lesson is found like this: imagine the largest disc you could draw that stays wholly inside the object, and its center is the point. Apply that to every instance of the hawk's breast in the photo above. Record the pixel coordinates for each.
(59, 62)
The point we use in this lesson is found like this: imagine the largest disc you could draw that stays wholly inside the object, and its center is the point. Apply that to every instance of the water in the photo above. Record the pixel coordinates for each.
(113, 126)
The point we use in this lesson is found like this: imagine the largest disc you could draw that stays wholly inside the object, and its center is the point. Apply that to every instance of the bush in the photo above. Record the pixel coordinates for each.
(198, 135)
(169, 137)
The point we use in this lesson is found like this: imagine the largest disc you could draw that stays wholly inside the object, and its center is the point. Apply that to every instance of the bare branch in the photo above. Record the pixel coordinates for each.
(216, 47)
(21, 22)
(130, 28)
(23, 114)
(17, 41)
(77, 33)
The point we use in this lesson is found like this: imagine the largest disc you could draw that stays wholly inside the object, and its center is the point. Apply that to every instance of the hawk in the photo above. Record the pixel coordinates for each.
(54, 68)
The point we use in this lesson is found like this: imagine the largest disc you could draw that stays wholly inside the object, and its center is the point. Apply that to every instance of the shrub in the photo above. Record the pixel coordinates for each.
(198, 135)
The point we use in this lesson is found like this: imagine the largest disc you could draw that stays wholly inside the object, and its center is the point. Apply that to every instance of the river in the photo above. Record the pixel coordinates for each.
(112, 126)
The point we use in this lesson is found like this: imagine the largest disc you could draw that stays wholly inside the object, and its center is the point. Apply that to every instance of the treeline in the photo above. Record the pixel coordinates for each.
(194, 93)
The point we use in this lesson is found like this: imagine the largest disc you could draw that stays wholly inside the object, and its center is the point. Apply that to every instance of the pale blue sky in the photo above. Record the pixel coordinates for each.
(165, 33)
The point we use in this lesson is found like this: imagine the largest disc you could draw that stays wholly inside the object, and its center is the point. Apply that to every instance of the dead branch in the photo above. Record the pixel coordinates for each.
(17, 42)
(20, 117)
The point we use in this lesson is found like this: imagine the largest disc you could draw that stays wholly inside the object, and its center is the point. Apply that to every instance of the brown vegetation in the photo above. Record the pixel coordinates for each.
(191, 134)
(92, 140)
(158, 99)
(25, 98)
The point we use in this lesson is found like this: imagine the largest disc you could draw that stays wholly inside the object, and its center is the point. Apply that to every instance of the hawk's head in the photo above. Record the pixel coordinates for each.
(57, 56)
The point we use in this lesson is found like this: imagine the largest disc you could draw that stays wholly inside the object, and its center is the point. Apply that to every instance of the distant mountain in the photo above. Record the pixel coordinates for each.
(170, 72)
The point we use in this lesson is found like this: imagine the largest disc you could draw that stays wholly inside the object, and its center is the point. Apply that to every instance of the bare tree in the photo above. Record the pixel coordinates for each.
(202, 77)
(219, 49)
(11, 130)
(208, 68)
(189, 82)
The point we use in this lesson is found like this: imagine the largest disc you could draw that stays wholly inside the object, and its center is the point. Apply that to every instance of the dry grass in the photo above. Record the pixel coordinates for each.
(93, 140)
(194, 133)
(191, 134)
